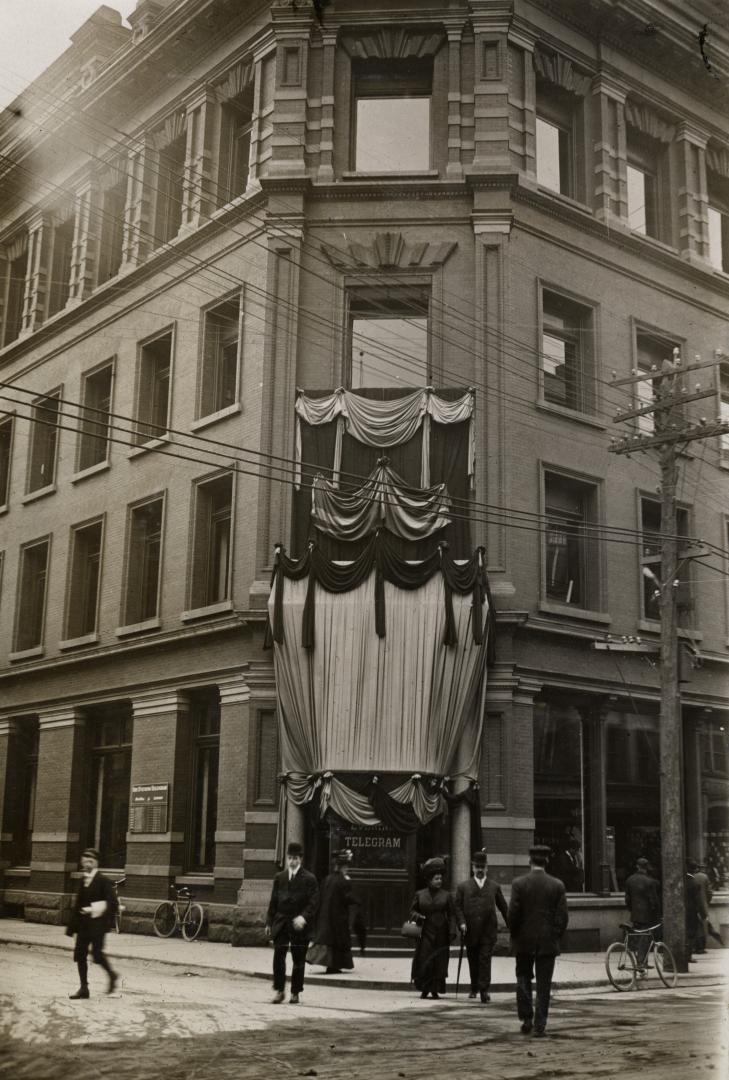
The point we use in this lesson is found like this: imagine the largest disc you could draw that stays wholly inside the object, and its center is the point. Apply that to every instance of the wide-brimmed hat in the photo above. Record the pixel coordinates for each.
(433, 867)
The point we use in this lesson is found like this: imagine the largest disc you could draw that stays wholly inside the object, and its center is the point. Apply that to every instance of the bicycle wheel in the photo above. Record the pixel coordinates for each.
(665, 964)
(620, 966)
(164, 919)
(192, 922)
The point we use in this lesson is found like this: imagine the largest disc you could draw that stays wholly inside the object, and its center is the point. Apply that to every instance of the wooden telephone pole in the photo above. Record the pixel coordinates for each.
(672, 431)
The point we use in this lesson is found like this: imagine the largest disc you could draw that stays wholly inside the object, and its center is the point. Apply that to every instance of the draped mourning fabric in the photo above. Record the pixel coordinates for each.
(351, 698)
(383, 501)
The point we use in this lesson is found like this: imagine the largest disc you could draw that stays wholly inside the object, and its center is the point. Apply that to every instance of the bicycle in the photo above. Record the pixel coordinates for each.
(622, 964)
(179, 912)
(119, 911)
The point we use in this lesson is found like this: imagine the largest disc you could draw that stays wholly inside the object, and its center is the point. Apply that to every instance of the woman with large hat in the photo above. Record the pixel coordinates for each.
(433, 909)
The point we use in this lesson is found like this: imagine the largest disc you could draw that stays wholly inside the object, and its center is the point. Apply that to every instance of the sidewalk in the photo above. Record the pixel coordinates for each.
(371, 972)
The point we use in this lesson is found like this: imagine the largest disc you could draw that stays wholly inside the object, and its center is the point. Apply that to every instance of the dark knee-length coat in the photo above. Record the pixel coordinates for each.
(435, 910)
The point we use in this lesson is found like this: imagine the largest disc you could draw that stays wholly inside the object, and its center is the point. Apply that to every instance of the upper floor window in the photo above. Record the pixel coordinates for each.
(571, 564)
(558, 142)
(568, 353)
(170, 171)
(652, 351)
(718, 211)
(32, 583)
(17, 267)
(113, 204)
(84, 574)
(144, 559)
(153, 393)
(235, 145)
(723, 409)
(648, 186)
(62, 249)
(95, 417)
(392, 114)
(6, 450)
(388, 337)
(43, 441)
(650, 511)
(221, 357)
(210, 571)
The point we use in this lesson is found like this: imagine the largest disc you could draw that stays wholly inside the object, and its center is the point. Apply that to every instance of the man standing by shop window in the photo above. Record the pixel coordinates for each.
(476, 903)
(92, 915)
(289, 922)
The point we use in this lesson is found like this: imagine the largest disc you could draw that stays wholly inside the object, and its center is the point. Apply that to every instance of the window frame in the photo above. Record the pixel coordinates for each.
(565, 112)
(650, 157)
(661, 339)
(113, 211)
(198, 590)
(592, 548)
(72, 600)
(169, 191)
(98, 752)
(589, 340)
(262, 712)
(126, 624)
(369, 291)
(91, 373)
(201, 414)
(230, 134)
(645, 621)
(60, 265)
(56, 394)
(14, 297)
(140, 439)
(722, 397)
(200, 744)
(21, 648)
(384, 86)
(7, 420)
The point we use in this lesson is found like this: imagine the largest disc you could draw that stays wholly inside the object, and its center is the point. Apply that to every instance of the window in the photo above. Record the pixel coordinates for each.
(651, 353)
(211, 542)
(168, 203)
(144, 554)
(43, 441)
(32, 580)
(570, 546)
(110, 736)
(650, 510)
(85, 571)
(568, 357)
(22, 775)
(13, 320)
(153, 397)
(205, 715)
(6, 450)
(388, 337)
(267, 752)
(95, 417)
(222, 336)
(235, 146)
(112, 230)
(557, 142)
(392, 114)
(647, 186)
(723, 410)
(714, 749)
(718, 211)
(60, 283)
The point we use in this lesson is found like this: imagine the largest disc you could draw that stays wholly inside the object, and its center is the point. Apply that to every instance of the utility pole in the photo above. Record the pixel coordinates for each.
(672, 431)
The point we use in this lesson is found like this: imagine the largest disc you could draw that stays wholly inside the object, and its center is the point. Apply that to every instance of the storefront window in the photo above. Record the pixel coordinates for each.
(559, 791)
(205, 713)
(22, 774)
(632, 789)
(111, 763)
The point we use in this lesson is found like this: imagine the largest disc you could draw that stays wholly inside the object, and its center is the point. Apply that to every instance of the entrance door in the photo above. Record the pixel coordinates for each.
(382, 873)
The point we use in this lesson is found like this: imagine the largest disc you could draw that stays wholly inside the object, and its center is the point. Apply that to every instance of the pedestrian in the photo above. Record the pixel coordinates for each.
(643, 901)
(289, 922)
(705, 894)
(695, 909)
(537, 920)
(433, 909)
(476, 903)
(91, 916)
(332, 941)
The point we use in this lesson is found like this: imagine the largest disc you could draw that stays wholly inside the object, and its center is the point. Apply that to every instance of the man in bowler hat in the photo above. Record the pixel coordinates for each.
(537, 920)
(91, 916)
(289, 922)
(476, 903)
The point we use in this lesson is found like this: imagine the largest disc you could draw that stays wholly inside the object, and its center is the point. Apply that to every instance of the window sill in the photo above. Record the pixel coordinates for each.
(39, 493)
(26, 654)
(584, 614)
(223, 607)
(570, 414)
(650, 627)
(78, 642)
(100, 466)
(151, 444)
(212, 418)
(417, 174)
(17, 871)
(138, 628)
(203, 879)
(568, 200)
(660, 245)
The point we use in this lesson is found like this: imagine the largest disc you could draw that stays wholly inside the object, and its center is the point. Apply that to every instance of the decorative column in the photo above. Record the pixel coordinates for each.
(692, 196)
(326, 137)
(230, 833)
(88, 221)
(7, 727)
(161, 755)
(137, 211)
(609, 152)
(292, 27)
(522, 107)
(199, 192)
(35, 300)
(454, 30)
(491, 21)
(59, 804)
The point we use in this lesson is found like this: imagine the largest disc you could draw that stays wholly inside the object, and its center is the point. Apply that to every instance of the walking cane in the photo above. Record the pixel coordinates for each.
(460, 961)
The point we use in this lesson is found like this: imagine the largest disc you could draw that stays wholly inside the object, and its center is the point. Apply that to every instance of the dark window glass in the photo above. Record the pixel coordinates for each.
(6, 446)
(95, 418)
(220, 357)
(85, 572)
(205, 711)
(143, 562)
(32, 596)
(110, 733)
(43, 442)
(154, 389)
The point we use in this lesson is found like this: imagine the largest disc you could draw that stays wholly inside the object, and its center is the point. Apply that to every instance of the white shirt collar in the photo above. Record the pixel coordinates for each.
(480, 881)
(89, 877)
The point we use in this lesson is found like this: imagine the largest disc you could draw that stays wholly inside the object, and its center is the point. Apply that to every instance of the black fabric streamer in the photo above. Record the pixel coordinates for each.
(397, 816)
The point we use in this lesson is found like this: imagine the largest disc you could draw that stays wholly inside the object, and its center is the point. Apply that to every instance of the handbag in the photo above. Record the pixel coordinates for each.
(411, 929)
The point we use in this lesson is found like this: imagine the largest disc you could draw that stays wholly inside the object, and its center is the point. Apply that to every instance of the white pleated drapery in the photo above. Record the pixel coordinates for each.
(385, 423)
(358, 702)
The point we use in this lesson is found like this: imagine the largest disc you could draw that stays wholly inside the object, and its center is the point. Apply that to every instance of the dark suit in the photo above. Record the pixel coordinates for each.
(643, 899)
(476, 908)
(537, 920)
(90, 930)
(289, 899)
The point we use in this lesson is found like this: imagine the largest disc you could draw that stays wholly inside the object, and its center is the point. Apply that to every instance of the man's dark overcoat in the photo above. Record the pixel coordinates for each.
(537, 914)
(476, 907)
(643, 899)
(100, 888)
(300, 896)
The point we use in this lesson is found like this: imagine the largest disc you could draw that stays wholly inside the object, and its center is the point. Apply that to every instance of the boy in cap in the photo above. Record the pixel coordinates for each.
(290, 916)
(537, 920)
(91, 917)
(476, 903)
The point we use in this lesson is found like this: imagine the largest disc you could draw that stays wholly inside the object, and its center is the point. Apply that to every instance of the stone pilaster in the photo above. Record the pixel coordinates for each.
(230, 832)
(491, 23)
(6, 834)
(692, 197)
(326, 139)
(35, 300)
(201, 153)
(292, 26)
(161, 754)
(138, 210)
(86, 236)
(454, 166)
(609, 153)
(522, 107)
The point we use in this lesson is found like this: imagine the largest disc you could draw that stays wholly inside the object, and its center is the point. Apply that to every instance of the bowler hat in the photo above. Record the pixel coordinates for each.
(294, 848)
(540, 851)
(91, 853)
(478, 858)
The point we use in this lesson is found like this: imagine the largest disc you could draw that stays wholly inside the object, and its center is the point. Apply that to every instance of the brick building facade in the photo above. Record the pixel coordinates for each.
(228, 202)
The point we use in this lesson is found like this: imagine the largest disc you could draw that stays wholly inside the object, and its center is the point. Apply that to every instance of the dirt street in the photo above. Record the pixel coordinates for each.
(167, 1023)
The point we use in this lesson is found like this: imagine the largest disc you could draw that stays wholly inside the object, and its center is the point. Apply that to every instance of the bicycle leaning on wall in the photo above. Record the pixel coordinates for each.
(179, 912)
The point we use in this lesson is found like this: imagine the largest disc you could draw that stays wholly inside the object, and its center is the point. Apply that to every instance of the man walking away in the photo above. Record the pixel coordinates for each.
(643, 901)
(92, 915)
(705, 894)
(537, 921)
(476, 903)
(290, 916)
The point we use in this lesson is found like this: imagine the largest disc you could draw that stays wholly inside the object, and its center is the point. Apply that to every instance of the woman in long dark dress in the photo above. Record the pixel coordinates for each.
(332, 942)
(433, 908)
